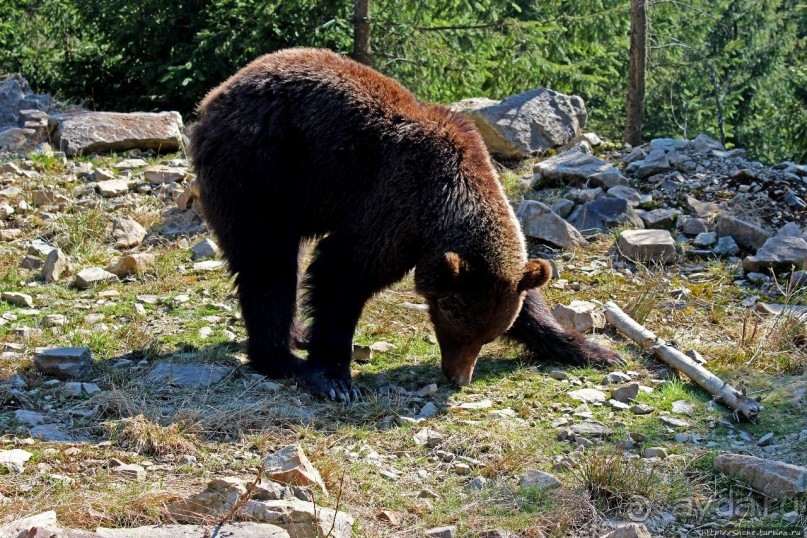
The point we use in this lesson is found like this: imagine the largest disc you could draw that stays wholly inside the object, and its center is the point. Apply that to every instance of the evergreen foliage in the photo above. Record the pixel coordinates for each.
(747, 56)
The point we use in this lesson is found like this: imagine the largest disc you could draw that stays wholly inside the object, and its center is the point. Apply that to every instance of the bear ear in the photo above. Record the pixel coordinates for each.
(536, 274)
(452, 267)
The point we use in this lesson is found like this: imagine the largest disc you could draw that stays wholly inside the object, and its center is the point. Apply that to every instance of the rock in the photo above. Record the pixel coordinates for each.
(477, 483)
(64, 362)
(527, 123)
(132, 264)
(114, 187)
(50, 433)
(30, 418)
(631, 196)
(616, 404)
(56, 266)
(794, 201)
(39, 248)
(562, 208)
(766, 440)
(290, 465)
(428, 390)
(604, 212)
(661, 219)
(206, 248)
(626, 393)
(429, 438)
(705, 144)
(791, 229)
(230, 530)
(591, 428)
(774, 479)
(127, 233)
(616, 377)
(10, 234)
(641, 409)
(631, 530)
(17, 139)
(636, 154)
(129, 164)
(576, 167)
(799, 279)
(778, 253)
(14, 459)
(682, 407)
(71, 389)
(702, 209)
(655, 163)
(5, 210)
(361, 354)
(449, 531)
(81, 133)
(162, 174)
(131, 470)
(428, 411)
(188, 375)
(208, 265)
(673, 422)
(303, 519)
(655, 452)
(16, 528)
(705, 239)
(560, 375)
(19, 299)
(647, 245)
(580, 316)
(726, 246)
(92, 276)
(539, 480)
(668, 144)
(692, 225)
(539, 222)
(745, 234)
(587, 395)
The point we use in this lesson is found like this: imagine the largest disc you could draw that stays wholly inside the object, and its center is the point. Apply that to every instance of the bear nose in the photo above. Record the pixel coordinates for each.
(462, 380)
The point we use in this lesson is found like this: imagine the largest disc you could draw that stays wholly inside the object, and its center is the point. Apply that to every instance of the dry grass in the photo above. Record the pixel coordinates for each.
(145, 437)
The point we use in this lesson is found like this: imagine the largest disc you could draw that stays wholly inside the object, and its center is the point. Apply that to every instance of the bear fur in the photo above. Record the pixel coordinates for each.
(305, 144)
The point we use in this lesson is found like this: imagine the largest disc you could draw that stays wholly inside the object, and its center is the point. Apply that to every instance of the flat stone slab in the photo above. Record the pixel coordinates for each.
(780, 253)
(92, 276)
(772, 478)
(64, 362)
(231, 530)
(188, 375)
(82, 133)
(647, 245)
(576, 167)
(591, 428)
(540, 222)
(588, 395)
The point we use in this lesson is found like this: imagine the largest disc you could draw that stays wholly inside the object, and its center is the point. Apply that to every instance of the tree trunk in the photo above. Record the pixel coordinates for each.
(721, 127)
(361, 32)
(636, 76)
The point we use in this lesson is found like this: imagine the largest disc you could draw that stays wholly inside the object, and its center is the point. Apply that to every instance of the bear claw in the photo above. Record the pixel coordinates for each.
(334, 389)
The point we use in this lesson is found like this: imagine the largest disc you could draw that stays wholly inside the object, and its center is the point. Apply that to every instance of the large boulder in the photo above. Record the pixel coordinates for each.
(81, 133)
(576, 167)
(539, 222)
(780, 253)
(526, 123)
(16, 95)
(774, 479)
(745, 234)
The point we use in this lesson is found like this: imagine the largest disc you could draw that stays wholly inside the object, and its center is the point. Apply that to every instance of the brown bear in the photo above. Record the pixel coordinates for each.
(305, 144)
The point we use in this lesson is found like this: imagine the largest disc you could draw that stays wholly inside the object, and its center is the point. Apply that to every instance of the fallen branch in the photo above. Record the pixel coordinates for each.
(721, 391)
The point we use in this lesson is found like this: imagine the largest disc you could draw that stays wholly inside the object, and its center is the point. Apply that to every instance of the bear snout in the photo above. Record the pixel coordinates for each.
(458, 361)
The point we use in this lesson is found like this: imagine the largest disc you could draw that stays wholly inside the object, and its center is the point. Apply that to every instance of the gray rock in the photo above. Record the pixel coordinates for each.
(14, 459)
(705, 144)
(791, 229)
(702, 209)
(562, 208)
(188, 375)
(560, 375)
(726, 246)
(427, 437)
(539, 480)
(799, 279)
(81, 133)
(655, 163)
(581, 196)
(30, 418)
(744, 233)
(616, 377)
(127, 233)
(206, 248)
(132, 264)
(641, 409)
(636, 154)
(19, 527)
(428, 411)
(778, 253)
(626, 393)
(302, 519)
(92, 276)
(576, 167)
(16, 96)
(477, 483)
(539, 222)
(580, 316)
(774, 479)
(757, 278)
(19, 299)
(631, 196)
(449, 531)
(604, 212)
(527, 123)
(39, 248)
(668, 144)
(588, 395)
(130, 470)
(56, 266)
(692, 225)
(661, 219)
(794, 201)
(655, 452)
(64, 362)
(112, 188)
(230, 530)
(591, 428)
(161, 174)
(682, 407)
(766, 440)
(673, 422)
(705, 239)
(631, 530)
(71, 389)
(647, 245)
(17, 139)
(50, 433)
